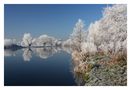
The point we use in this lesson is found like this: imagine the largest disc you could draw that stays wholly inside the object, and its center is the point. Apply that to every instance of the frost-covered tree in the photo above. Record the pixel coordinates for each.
(110, 32)
(8, 42)
(45, 40)
(114, 26)
(93, 34)
(58, 42)
(67, 42)
(77, 36)
(34, 42)
(27, 40)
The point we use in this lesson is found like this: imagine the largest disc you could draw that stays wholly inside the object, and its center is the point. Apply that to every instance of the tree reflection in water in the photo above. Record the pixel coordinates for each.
(44, 53)
(27, 54)
(9, 52)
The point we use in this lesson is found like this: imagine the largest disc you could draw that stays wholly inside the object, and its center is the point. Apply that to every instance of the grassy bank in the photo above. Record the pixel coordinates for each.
(101, 69)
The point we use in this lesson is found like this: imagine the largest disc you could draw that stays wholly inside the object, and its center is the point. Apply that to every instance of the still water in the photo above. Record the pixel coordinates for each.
(39, 67)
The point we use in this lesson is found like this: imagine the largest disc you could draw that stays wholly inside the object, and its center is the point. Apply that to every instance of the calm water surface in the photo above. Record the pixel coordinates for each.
(39, 67)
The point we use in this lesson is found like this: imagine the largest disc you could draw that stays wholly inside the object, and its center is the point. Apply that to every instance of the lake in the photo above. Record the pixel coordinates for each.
(48, 66)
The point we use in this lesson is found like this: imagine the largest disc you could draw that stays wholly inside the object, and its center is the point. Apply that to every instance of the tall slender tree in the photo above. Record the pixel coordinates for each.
(77, 35)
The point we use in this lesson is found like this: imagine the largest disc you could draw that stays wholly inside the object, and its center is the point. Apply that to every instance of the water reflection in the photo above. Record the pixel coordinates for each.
(9, 52)
(77, 76)
(27, 54)
(42, 52)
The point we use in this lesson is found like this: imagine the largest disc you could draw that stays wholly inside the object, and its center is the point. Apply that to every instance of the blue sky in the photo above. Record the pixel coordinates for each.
(51, 19)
